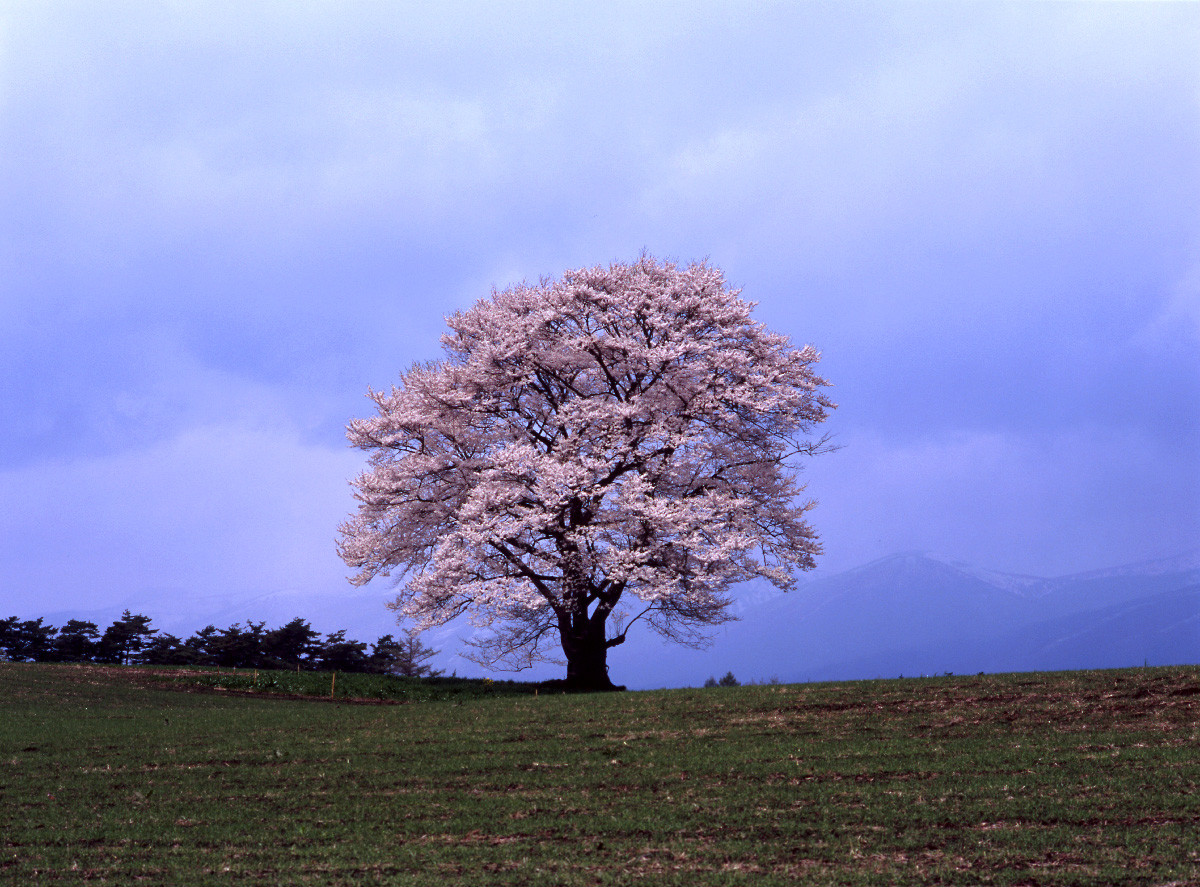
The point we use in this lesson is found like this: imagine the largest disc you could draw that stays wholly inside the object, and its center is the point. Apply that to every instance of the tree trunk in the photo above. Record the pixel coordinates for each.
(582, 635)
(587, 665)
(587, 657)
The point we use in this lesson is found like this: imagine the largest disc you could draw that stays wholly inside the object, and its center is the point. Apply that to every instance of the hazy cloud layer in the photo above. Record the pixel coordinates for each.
(220, 222)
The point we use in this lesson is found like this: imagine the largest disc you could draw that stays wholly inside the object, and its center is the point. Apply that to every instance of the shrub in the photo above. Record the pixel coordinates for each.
(728, 681)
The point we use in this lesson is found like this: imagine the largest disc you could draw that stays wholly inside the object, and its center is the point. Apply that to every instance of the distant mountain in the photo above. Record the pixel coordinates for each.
(917, 614)
(910, 613)
(1162, 629)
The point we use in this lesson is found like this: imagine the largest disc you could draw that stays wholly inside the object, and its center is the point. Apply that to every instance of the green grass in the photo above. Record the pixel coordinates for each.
(339, 685)
(114, 777)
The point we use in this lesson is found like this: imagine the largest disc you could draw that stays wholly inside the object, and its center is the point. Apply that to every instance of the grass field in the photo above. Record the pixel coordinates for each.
(337, 686)
(112, 776)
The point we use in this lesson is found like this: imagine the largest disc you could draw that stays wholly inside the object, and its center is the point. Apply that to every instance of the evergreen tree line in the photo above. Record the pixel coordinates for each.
(130, 640)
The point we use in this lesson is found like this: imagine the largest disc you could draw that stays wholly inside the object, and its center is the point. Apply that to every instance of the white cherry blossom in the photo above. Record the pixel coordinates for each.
(617, 445)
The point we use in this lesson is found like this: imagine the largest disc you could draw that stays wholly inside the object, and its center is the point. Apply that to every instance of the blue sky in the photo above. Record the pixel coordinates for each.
(222, 221)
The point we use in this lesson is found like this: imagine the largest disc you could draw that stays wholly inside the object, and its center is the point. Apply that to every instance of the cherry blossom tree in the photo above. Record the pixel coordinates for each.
(618, 445)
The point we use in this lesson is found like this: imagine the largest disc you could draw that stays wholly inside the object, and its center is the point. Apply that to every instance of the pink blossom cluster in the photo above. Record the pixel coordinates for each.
(624, 439)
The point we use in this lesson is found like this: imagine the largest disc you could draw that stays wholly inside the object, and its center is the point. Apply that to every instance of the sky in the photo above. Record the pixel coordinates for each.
(221, 222)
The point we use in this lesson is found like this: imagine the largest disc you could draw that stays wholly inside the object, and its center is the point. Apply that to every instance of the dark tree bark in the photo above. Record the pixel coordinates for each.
(587, 657)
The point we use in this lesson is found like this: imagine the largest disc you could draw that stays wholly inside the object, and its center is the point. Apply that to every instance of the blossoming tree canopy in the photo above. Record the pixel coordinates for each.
(618, 445)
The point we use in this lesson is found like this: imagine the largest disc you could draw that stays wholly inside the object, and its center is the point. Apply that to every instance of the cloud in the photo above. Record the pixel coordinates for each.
(221, 222)
(996, 127)
(1177, 321)
(1042, 504)
(211, 509)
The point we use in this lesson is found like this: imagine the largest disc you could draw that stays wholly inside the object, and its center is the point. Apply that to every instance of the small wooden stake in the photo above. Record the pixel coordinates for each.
(332, 684)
